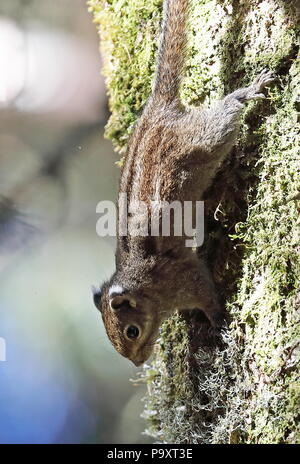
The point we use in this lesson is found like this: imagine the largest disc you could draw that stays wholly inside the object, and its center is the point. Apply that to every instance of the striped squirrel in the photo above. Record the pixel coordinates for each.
(173, 154)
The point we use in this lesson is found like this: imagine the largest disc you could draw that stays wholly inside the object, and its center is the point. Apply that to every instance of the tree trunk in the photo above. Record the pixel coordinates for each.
(245, 387)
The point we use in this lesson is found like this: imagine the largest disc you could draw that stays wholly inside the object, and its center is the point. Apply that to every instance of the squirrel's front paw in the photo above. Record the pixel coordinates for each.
(217, 319)
(255, 90)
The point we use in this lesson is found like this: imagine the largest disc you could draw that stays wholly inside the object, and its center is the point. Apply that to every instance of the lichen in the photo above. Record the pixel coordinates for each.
(245, 387)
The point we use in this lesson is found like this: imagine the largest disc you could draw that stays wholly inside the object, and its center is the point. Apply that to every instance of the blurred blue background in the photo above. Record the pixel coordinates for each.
(62, 382)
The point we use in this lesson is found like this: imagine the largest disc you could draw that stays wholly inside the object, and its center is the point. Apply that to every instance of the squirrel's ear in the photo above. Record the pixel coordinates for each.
(124, 301)
(97, 297)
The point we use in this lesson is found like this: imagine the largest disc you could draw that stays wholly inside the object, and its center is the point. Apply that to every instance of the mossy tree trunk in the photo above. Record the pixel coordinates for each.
(246, 388)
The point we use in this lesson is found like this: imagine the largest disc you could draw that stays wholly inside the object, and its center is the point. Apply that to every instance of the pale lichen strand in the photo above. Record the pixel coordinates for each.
(246, 390)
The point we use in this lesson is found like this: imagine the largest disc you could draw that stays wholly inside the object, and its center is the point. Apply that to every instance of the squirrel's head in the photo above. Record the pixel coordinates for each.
(131, 321)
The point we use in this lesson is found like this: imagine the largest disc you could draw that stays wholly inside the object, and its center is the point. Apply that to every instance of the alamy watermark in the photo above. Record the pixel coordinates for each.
(157, 218)
(2, 349)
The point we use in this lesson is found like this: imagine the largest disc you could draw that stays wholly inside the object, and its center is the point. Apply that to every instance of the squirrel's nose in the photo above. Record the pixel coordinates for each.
(137, 363)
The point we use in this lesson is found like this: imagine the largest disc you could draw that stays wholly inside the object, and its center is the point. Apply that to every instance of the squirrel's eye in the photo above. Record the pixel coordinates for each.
(132, 332)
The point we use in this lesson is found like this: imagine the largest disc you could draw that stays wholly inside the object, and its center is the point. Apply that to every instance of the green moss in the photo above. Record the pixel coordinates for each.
(129, 32)
(244, 389)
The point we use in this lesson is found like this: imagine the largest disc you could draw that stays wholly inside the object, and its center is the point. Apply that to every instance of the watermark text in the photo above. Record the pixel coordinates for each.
(154, 218)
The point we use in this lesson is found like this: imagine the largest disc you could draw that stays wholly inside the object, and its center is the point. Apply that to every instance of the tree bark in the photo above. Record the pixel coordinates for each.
(243, 388)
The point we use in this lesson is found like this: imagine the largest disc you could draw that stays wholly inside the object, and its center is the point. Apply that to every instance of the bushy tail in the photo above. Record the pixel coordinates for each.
(171, 51)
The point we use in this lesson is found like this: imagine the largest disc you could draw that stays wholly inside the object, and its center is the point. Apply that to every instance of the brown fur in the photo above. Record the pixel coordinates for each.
(174, 154)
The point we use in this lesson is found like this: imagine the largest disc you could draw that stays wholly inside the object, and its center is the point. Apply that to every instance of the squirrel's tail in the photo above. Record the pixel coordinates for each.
(171, 52)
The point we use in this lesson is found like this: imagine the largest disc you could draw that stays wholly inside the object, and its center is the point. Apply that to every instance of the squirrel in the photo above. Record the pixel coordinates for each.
(173, 154)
